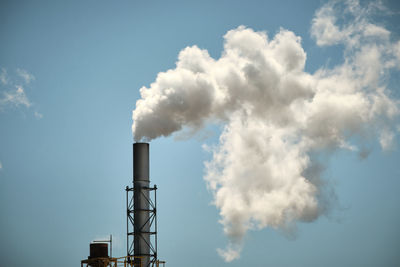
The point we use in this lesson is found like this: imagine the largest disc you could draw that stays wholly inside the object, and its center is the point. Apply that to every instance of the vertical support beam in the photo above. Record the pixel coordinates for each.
(127, 222)
(155, 218)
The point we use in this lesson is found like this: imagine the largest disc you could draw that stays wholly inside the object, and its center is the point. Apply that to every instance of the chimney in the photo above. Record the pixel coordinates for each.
(141, 212)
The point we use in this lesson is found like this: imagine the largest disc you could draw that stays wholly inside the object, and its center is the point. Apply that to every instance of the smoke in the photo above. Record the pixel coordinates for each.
(276, 117)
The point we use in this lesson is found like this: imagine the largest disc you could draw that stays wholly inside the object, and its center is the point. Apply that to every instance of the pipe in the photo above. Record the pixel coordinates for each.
(141, 185)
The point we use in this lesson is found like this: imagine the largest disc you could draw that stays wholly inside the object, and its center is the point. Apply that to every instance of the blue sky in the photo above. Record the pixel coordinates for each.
(74, 69)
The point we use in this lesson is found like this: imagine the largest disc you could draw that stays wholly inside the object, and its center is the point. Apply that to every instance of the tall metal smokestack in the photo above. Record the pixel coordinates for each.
(141, 220)
(141, 184)
(141, 211)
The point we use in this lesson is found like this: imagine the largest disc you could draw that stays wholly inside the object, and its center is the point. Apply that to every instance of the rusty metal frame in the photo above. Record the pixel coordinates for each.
(121, 261)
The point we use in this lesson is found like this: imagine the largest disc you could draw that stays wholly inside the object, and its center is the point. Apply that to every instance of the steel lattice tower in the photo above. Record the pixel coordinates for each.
(141, 211)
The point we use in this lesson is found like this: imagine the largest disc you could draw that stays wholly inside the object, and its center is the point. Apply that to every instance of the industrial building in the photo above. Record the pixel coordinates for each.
(141, 221)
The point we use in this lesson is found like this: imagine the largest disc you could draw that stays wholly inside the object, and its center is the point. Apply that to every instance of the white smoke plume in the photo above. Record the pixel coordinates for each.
(264, 171)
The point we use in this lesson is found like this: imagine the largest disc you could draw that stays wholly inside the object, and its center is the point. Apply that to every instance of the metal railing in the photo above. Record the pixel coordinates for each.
(121, 261)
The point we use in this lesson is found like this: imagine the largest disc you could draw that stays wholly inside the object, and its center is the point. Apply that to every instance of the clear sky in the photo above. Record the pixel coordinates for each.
(70, 74)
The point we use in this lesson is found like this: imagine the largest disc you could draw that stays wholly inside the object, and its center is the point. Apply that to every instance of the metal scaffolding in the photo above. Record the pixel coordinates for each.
(146, 232)
(141, 210)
